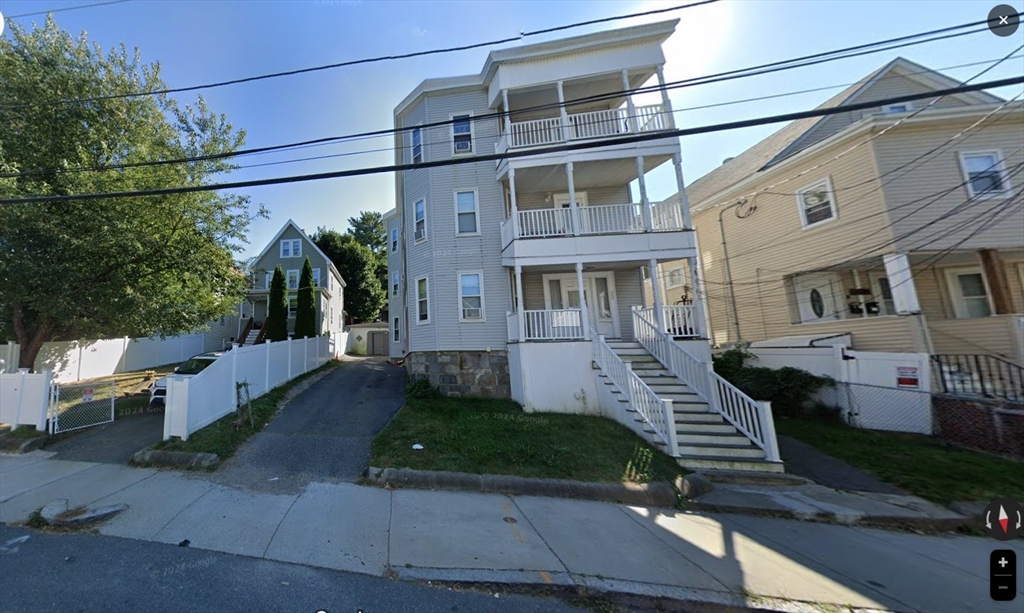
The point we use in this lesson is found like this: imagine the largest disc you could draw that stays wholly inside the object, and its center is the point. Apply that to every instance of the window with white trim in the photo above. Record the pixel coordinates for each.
(817, 204)
(420, 220)
(422, 301)
(969, 292)
(293, 279)
(417, 145)
(291, 248)
(316, 277)
(471, 296)
(293, 307)
(902, 107)
(985, 173)
(394, 284)
(462, 134)
(394, 239)
(466, 213)
(397, 334)
(674, 278)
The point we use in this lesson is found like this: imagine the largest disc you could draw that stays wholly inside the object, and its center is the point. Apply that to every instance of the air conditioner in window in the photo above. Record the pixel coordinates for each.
(471, 313)
(421, 234)
(463, 146)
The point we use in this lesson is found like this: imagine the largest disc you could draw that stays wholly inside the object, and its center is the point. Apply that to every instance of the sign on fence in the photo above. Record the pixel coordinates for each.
(87, 394)
(907, 377)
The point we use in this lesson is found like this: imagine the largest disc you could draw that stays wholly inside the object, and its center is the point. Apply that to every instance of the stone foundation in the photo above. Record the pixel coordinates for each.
(483, 374)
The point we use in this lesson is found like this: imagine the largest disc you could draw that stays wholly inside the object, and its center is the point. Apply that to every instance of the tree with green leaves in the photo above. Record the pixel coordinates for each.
(368, 229)
(158, 265)
(305, 316)
(364, 295)
(277, 308)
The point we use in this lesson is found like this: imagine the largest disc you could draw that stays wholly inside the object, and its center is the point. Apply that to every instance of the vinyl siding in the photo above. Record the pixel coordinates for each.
(628, 292)
(397, 304)
(771, 244)
(994, 335)
(273, 258)
(943, 170)
(669, 295)
(526, 200)
(219, 336)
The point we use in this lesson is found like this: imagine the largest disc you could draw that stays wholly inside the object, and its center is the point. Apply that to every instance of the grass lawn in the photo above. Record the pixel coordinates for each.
(918, 464)
(223, 438)
(497, 437)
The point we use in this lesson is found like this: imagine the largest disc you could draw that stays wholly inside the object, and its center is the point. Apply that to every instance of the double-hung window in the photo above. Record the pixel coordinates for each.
(417, 145)
(462, 134)
(969, 292)
(817, 204)
(396, 330)
(293, 279)
(291, 248)
(985, 174)
(420, 220)
(471, 296)
(675, 278)
(394, 239)
(466, 213)
(293, 307)
(422, 301)
(316, 277)
(394, 284)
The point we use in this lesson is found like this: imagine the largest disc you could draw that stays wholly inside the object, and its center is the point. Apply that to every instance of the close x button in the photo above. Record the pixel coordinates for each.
(1003, 574)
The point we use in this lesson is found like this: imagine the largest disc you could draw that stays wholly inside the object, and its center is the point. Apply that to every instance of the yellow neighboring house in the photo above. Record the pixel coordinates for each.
(911, 240)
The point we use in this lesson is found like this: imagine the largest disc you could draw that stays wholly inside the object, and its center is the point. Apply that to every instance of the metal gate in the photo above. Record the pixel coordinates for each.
(80, 405)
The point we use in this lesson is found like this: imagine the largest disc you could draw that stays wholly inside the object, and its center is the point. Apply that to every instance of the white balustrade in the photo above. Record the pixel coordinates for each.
(535, 223)
(680, 320)
(592, 124)
(552, 325)
(611, 219)
(667, 217)
(536, 132)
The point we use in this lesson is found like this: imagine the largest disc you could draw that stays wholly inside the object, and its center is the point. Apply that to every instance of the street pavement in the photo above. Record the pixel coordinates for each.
(464, 536)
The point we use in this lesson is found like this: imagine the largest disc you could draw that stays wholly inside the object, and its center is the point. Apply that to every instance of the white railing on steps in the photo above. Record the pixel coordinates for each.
(750, 417)
(656, 412)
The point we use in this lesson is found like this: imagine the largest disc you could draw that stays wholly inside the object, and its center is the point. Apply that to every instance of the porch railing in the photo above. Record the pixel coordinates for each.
(680, 319)
(979, 375)
(589, 220)
(749, 416)
(655, 412)
(547, 325)
(611, 219)
(592, 124)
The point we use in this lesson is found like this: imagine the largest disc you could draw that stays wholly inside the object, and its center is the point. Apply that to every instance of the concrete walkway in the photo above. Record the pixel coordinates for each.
(463, 536)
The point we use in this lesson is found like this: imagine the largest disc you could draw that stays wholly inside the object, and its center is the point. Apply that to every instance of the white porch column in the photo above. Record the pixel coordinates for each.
(684, 200)
(631, 108)
(659, 315)
(519, 303)
(512, 197)
(584, 313)
(901, 283)
(562, 112)
(574, 214)
(648, 215)
(860, 297)
(698, 298)
(670, 118)
(508, 114)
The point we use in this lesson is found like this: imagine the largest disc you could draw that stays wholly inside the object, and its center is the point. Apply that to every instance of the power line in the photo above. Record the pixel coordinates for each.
(714, 78)
(67, 8)
(638, 138)
(380, 58)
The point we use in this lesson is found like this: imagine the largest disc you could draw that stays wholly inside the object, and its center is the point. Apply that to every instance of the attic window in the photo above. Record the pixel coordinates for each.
(898, 108)
(817, 204)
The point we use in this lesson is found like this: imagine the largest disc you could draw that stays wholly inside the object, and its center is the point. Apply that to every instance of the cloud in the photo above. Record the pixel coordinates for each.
(417, 32)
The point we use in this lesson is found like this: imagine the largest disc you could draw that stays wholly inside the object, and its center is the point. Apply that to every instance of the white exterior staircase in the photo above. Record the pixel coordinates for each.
(251, 338)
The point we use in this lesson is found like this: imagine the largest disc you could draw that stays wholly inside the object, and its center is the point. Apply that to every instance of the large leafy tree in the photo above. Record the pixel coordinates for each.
(305, 316)
(368, 229)
(364, 295)
(277, 308)
(157, 265)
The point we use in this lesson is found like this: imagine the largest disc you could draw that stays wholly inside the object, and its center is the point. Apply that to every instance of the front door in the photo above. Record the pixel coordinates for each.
(562, 292)
(816, 297)
(563, 205)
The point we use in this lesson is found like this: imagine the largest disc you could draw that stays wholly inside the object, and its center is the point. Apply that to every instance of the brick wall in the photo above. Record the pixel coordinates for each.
(989, 425)
(463, 373)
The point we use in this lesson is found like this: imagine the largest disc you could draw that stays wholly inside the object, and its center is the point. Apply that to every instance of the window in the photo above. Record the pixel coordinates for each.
(898, 108)
(268, 278)
(316, 277)
(394, 239)
(394, 283)
(291, 248)
(466, 213)
(883, 295)
(471, 296)
(417, 145)
(293, 307)
(420, 220)
(397, 335)
(462, 134)
(984, 173)
(422, 301)
(675, 278)
(514, 290)
(969, 293)
(817, 204)
(603, 292)
(293, 279)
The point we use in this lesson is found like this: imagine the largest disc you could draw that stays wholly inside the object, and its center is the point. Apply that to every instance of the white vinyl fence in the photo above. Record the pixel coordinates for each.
(72, 361)
(195, 402)
(24, 398)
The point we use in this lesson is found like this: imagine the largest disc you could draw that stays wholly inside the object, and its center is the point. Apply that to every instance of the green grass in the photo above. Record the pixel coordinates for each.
(918, 464)
(24, 433)
(223, 438)
(497, 437)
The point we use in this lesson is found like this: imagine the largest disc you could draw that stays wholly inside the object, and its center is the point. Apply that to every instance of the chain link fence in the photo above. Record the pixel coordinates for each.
(881, 408)
(80, 405)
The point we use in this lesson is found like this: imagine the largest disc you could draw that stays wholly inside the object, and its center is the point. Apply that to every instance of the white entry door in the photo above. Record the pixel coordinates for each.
(562, 292)
(816, 297)
(563, 205)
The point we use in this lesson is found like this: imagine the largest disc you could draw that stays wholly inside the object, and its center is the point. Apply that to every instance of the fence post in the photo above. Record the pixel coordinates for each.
(305, 354)
(290, 342)
(629, 385)
(234, 373)
(266, 370)
(771, 443)
(670, 423)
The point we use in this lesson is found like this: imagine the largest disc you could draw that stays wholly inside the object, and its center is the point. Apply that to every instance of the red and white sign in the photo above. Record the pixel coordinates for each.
(87, 394)
(907, 377)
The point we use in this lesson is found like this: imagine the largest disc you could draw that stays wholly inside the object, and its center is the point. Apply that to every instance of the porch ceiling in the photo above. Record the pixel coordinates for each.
(574, 90)
(603, 173)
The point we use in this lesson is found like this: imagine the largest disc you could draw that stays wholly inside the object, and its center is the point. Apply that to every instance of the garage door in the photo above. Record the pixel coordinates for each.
(378, 343)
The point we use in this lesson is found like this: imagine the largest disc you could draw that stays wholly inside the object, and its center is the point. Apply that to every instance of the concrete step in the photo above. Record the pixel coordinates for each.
(743, 477)
(624, 345)
(624, 351)
(731, 439)
(744, 451)
(710, 464)
(703, 427)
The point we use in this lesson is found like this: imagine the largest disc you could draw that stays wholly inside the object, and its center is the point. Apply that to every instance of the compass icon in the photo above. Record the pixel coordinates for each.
(1004, 519)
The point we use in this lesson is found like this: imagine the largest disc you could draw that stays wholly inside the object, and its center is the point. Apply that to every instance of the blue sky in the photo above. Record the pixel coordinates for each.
(211, 40)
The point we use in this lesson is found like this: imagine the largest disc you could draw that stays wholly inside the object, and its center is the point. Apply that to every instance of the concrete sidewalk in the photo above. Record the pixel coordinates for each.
(460, 536)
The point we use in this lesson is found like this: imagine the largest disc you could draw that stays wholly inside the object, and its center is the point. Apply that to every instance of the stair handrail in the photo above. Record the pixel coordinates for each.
(245, 331)
(750, 417)
(656, 412)
(260, 337)
(988, 375)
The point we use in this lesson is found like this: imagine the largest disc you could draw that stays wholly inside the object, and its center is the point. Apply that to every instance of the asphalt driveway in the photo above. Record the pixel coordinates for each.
(115, 442)
(323, 434)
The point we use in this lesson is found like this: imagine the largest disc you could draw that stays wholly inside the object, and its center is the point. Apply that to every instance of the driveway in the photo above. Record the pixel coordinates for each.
(323, 434)
(112, 443)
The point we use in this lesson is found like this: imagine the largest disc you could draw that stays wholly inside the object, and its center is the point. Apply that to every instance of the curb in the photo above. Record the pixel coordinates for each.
(21, 445)
(176, 459)
(877, 521)
(658, 493)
